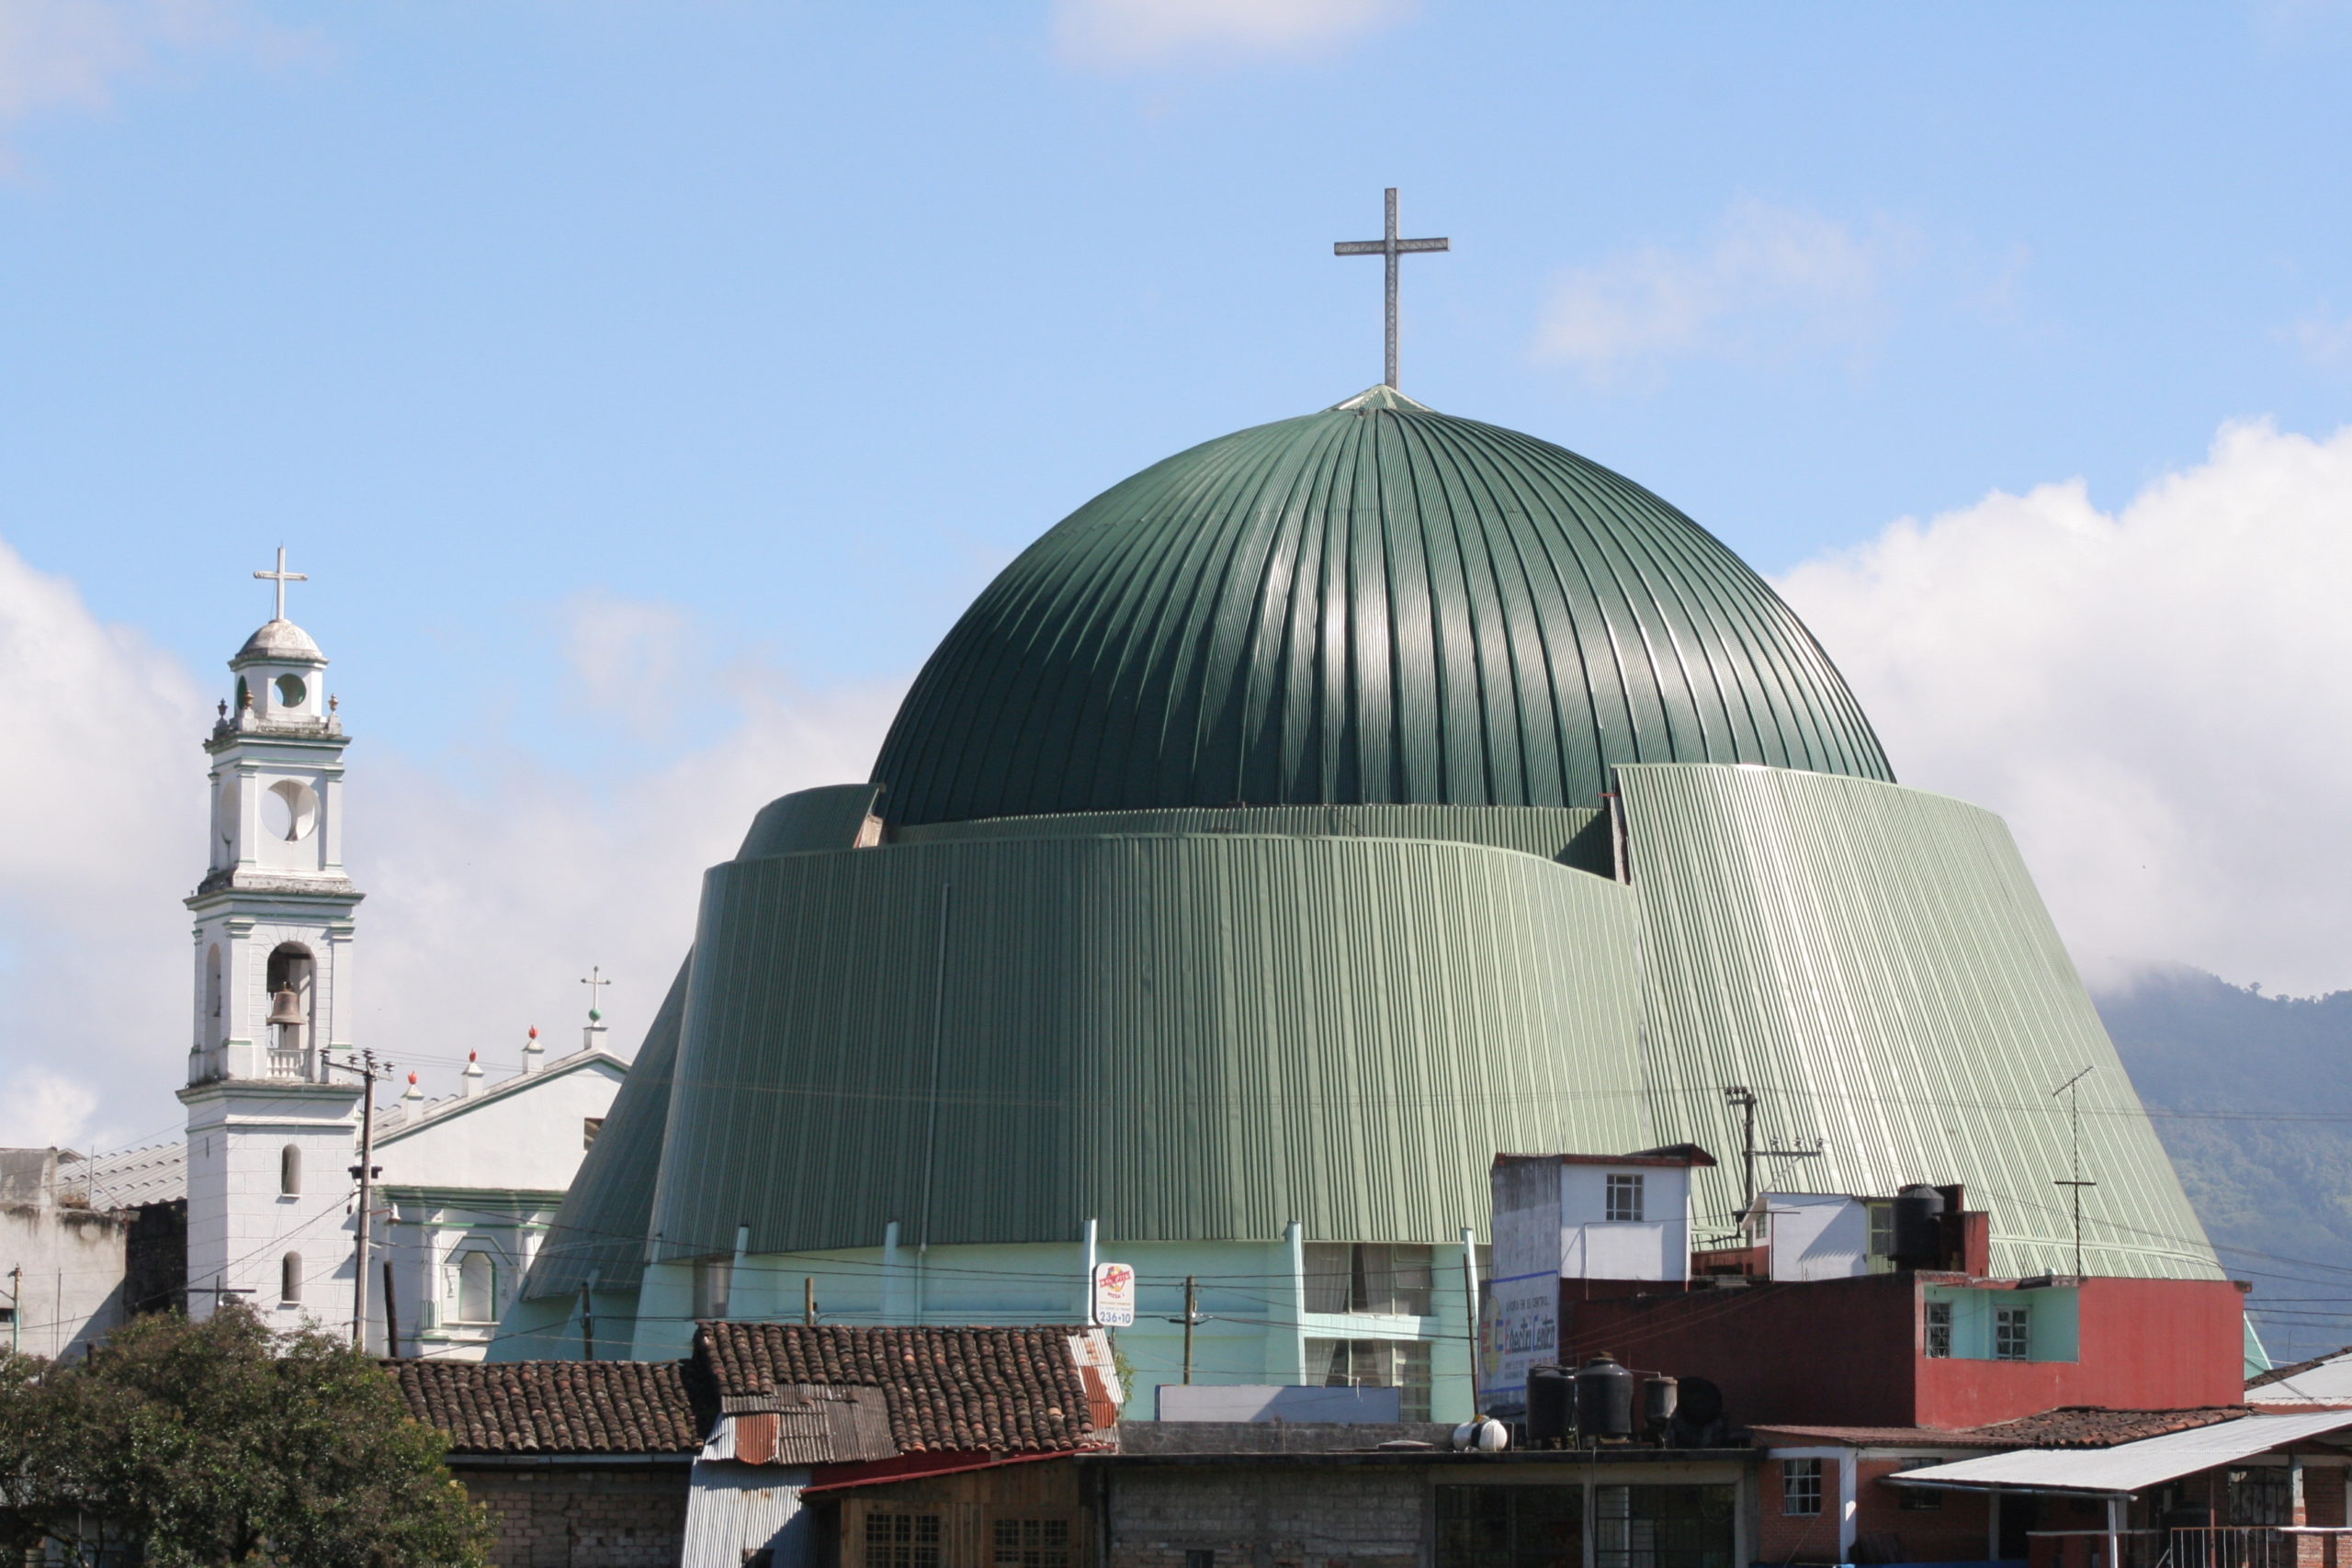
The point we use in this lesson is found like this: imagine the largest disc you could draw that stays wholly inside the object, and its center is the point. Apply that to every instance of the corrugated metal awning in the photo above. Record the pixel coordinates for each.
(2128, 1467)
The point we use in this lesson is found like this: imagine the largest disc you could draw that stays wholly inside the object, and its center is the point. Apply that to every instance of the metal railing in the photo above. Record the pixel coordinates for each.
(2194, 1546)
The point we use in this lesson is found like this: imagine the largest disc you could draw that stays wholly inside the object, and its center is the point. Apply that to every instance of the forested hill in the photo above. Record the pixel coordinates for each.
(2252, 1096)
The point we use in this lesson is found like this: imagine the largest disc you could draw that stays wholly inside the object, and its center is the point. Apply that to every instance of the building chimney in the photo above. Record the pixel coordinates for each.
(534, 1053)
(470, 1084)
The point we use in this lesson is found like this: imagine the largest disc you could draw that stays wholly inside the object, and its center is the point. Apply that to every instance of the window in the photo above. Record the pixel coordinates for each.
(1400, 1364)
(2264, 1496)
(1882, 1230)
(1662, 1527)
(289, 1280)
(589, 1127)
(2012, 1333)
(1509, 1527)
(1919, 1499)
(1032, 1543)
(902, 1540)
(1938, 1330)
(290, 1172)
(212, 997)
(1801, 1487)
(477, 1288)
(1364, 1276)
(1198, 1557)
(291, 691)
(1624, 1198)
(714, 1282)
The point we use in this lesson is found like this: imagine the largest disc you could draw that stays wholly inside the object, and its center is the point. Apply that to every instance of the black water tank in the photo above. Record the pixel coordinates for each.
(1604, 1400)
(1659, 1396)
(1918, 1227)
(1550, 1406)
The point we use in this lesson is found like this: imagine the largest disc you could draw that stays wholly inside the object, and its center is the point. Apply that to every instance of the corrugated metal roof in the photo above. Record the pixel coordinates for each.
(127, 1177)
(1186, 1038)
(1874, 962)
(2130, 1467)
(1571, 835)
(1370, 603)
(2323, 1378)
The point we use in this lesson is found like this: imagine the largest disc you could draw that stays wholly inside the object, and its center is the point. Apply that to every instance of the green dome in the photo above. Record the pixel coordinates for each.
(1376, 604)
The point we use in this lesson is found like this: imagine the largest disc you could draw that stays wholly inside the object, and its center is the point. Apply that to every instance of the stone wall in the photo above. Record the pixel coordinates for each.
(1275, 1518)
(583, 1516)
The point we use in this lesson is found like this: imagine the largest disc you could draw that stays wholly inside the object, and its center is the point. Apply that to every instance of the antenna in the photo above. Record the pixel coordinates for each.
(2072, 1089)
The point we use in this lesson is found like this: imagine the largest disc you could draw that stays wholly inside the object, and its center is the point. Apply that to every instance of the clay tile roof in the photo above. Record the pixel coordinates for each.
(993, 1390)
(554, 1407)
(2087, 1426)
(2275, 1374)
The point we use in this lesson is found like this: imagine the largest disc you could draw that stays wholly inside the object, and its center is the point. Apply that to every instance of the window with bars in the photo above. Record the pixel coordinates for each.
(1509, 1527)
(1392, 1278)
(1663, 1527)
(2013, 1334)
(1940, 1330)
(1030, 1543)
(1801, 1487)
(1624, 1198)
(1400, 1364)
(1919, 1499)
(902, 1540)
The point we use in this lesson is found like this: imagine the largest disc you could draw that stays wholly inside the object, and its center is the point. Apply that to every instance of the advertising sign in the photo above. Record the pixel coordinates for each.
(1114, 1295)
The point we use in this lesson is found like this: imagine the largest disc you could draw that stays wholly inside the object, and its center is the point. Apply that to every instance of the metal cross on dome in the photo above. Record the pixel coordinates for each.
(1391, 247)
(282, 577)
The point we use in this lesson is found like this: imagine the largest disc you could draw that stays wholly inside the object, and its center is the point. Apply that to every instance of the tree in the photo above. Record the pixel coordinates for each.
(223, 1442)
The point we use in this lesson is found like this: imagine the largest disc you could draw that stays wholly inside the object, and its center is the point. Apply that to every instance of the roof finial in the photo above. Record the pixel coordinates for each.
(282, 577)
(1390, 246)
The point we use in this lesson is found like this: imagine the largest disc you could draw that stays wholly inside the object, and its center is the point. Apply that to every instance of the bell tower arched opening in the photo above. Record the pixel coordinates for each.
(291, 978)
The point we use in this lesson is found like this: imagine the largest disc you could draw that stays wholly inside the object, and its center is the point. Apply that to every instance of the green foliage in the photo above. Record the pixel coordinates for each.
(2240, 1086)
(223, 1442)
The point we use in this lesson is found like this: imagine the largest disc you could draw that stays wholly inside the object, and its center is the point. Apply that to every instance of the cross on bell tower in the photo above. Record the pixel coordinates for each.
(282, 577)
(1390, 247)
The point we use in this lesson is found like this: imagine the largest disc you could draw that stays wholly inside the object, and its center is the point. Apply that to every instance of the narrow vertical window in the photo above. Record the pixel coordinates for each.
(290, 1171)
(714, 1283)
(289, 1280)
(477, 1288)
(1801, 1487)
(1625, 1200)
(1938, 1330)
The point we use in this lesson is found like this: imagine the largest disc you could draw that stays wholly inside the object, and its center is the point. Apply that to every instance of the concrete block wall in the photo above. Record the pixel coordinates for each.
(1363, 1520)
(583, 1516)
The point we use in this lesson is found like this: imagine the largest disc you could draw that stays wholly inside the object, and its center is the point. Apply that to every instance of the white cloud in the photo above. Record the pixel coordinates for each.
(2324, 336)
(78, 54)
(1131, 32)
(1772, 278)
(489, 893)
(2155, 698)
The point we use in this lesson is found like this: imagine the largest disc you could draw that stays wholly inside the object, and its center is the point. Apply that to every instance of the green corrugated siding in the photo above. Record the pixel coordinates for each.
(1379, 604)
(600, 1230)
(826, 818)
(1876, 964)
(1572, 835)
(1185, 1038)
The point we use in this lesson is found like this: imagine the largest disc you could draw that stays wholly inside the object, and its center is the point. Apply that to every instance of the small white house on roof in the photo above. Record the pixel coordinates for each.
(1577, 1217)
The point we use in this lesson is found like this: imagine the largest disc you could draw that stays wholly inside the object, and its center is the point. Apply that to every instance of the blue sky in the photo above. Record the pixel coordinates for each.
(803, 317)
(633, 380)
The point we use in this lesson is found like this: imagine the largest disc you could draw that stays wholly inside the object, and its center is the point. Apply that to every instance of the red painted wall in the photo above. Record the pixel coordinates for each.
(1846, 1353)
(2145, 1345)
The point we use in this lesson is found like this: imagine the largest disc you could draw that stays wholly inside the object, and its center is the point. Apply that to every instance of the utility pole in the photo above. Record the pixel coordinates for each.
(587, 1322)
(1743, 1098)
(1470, 1308)
(1191, 1316)
(369, 1070)
(2072, 1089)
(16, 1309)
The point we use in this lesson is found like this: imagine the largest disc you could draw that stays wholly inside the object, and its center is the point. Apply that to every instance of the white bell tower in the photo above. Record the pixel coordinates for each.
(271, 1127)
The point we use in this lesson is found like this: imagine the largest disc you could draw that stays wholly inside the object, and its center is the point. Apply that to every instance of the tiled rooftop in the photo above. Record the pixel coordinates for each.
(998, 1390)
(2085, 1426)
(554, 1407)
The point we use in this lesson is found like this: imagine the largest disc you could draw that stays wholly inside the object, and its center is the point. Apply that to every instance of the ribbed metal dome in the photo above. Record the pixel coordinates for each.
(1375, 603)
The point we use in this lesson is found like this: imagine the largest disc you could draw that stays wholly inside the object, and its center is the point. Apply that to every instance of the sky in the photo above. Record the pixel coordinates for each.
(645, 387)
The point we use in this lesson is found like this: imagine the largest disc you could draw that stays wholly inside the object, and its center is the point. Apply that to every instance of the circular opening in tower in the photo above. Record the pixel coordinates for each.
(290, 810)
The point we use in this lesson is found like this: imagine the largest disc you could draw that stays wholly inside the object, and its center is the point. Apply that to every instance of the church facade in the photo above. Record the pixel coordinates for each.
(464, 1187)
(1295, 827)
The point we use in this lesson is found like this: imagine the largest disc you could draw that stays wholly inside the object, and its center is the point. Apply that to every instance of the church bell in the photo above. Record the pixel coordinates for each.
(285, 1008)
